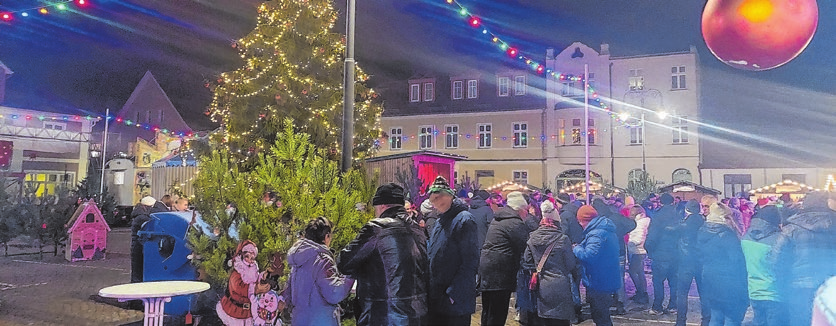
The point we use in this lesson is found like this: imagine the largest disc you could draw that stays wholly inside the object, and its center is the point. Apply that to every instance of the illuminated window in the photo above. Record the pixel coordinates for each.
(396, 138)
(636, 79)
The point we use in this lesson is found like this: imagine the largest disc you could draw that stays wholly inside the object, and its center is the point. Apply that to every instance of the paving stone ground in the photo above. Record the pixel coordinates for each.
(54, 292)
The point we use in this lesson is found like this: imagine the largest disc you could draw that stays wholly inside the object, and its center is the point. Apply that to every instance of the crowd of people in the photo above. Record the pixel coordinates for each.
(426, 264)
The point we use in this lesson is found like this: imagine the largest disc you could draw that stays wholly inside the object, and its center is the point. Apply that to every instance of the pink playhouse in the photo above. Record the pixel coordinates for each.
(87, 234)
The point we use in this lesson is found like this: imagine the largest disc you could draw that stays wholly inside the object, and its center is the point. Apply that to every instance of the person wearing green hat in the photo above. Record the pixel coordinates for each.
(454, 259)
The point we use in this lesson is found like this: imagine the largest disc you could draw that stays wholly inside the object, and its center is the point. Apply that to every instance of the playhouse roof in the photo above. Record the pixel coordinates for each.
(84, 209)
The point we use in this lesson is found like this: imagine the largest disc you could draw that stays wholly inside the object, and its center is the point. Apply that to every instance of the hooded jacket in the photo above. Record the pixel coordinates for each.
(636, 238)
(757, 246)
(623, 225)
(454, 260)
(724, 279)
(502, 251)
(482, 215)
(389, 261)
(598, 253)
(805, 252)
(554, 295)
(315, 286)
(688, 229)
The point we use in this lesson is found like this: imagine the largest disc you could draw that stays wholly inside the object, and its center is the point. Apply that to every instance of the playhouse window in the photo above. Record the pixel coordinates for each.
(90, 218)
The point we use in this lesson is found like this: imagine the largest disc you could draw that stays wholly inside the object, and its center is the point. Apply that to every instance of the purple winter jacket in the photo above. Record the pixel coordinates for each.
(315, 286)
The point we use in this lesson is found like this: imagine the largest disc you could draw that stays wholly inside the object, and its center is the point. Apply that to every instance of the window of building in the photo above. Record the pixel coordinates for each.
(519, 85)
(425, 137)
(590, 135)
(520, 176)
(451, 136)
(55, 125)
(520, 134)
(736, 183)
(485, 177)
(503, 87)
(472, 90)
(635, 175)
(680, 130)
(800, 178)
(43, 184)
(161, 116)
(414, 92)
(681, 175)
(485, 135)
(396, 138)
(429, 92)
(678, 77)
(457, 90)
(636, 79)
(571, 89)
(636, 135)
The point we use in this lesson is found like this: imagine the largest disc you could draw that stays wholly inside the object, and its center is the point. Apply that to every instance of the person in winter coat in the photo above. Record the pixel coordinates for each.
(689, 268)
(805, 254)
(598, 254)
(661, 245)
(623, 226)
(430, 216)
(388, 258)
(482, 214)
(569, 224)
(764, 230)
(724, 268)
(553, 293)
(454, 259)
(500, 259)
(637, 254)
(139, 216)
(315, 287)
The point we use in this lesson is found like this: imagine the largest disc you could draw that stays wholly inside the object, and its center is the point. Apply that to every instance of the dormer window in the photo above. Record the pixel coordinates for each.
(472, 88)
(415, 92)
(457, 89)
(519, 85)
(502, 85)
(429, 92)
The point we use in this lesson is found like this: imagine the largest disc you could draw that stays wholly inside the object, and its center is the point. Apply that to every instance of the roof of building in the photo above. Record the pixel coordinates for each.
(683, 185)
(149, 104)
(413, 153)
(5, 69)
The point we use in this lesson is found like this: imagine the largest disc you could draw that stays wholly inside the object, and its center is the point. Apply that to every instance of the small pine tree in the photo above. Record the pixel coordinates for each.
(89, 189)
(308, 184)
(641, 186)
(412, 184)
(55, 211)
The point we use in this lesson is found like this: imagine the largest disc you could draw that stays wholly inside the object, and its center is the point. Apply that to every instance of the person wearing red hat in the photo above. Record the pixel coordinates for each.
(598, 254)
(235, 308)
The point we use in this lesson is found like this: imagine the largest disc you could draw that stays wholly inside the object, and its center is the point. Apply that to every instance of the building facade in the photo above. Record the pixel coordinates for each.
(521, 126)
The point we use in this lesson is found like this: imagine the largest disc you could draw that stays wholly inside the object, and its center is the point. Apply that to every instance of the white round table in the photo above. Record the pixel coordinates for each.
(154, 295)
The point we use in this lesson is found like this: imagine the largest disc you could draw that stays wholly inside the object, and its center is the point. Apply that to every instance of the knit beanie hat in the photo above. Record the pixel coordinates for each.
(629, 201)
(666, 199)
(693, 206)
(585, 214)
(717, 213)
(148, 201)
(516, 200)
(770, 214)
(440, 185)
(390, 193)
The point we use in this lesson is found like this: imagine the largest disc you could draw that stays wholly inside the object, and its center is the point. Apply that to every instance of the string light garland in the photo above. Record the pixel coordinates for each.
(513, 52)
(45, 9)
(292, 68)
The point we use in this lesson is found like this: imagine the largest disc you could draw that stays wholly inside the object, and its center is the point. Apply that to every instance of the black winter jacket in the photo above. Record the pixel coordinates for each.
(724, 277)
(569, 223)
(662, 239)
(389, 261)
(806, 250)
(623, 225)
(142, 214)
(688, 229)
(483, 216)
(502, 251)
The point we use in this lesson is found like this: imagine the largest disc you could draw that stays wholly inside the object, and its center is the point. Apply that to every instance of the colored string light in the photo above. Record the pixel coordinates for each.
(43, 10)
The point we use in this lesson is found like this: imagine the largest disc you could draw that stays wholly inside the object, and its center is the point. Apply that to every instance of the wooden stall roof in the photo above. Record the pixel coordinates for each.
(413, 153)
(682, 186)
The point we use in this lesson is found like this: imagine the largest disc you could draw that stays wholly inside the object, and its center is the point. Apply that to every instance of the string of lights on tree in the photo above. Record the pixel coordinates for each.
(44, 9)
(513, 52)
(291, 60)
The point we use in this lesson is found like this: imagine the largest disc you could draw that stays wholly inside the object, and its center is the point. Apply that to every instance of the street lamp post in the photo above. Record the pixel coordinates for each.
(348, 89)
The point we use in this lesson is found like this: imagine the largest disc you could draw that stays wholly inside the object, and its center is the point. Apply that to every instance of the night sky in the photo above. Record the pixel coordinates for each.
(87, 60)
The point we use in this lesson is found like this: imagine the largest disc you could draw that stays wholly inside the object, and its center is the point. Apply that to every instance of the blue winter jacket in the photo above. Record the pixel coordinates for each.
(454, 260)
(598, 253)
(316, 287)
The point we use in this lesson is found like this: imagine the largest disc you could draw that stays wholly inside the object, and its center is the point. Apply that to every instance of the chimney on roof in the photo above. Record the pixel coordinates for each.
(605, 49)
(550, 53)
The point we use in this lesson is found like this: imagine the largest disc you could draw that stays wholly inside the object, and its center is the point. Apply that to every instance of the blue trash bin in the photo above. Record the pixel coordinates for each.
(165, 255)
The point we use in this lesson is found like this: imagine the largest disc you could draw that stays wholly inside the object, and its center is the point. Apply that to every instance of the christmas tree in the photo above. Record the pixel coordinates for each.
(307, 184)
(293, 69)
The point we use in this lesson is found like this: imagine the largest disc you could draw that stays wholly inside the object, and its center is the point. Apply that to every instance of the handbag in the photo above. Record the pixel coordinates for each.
(534, 283)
